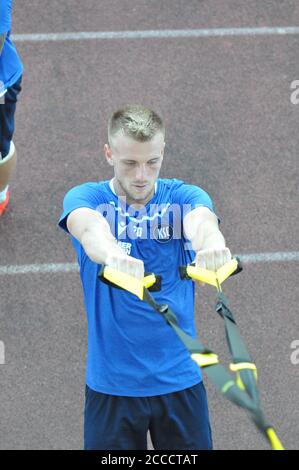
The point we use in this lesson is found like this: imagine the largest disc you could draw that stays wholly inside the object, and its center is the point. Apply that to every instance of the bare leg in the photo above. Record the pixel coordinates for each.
(7, 166)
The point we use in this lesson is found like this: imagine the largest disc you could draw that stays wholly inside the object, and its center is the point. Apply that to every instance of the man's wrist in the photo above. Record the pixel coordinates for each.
(214, 241)
(112, 250)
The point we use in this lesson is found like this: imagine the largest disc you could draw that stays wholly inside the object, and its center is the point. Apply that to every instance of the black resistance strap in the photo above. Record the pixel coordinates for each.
(240, 388)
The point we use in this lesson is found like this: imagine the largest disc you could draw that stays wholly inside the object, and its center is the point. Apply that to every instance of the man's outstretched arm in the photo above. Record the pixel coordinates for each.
(201, 228)
(92, 230)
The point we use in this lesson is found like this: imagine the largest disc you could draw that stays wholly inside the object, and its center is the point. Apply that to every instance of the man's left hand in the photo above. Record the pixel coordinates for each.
(213, 258)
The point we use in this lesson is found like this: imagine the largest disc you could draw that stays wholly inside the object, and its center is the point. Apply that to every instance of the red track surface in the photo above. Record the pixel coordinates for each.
(231, 129)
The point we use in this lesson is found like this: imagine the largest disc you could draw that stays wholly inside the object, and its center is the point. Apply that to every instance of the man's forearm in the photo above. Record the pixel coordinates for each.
(201, 228)
(102, 248)
(213, 252)
(206, 236)
(214, 240)
(98, 242)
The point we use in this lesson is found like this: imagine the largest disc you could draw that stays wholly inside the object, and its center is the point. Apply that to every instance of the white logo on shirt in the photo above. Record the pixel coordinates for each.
(125, 246)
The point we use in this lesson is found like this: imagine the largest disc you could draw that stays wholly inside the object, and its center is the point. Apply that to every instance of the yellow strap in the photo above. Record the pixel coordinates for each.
(149, 280)
(204, 360)
(239, 382)
(227, 386)
(127, 282)
(226, 270)
(274, 441)
(242, 365)
(201, 274)
(213, 277)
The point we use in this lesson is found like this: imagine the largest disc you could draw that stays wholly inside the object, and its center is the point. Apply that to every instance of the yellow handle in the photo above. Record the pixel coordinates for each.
(215, 278)
(128, 282)
(125, 281)
(204, 360)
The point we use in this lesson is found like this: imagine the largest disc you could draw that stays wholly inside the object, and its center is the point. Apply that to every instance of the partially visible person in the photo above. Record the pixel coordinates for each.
(11, 70)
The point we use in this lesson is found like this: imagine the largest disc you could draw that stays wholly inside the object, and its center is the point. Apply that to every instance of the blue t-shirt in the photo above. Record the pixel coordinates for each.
(132, 351)
(5, 15)
(11, 67)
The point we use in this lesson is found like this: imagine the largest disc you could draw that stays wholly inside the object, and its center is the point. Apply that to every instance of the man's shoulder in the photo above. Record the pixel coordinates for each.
(178, 186)
(171, 183)
(90, 195)
(89, 187)
(178, 191)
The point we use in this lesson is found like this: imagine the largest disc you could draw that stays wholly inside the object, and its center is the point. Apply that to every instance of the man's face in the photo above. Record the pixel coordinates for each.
(136, 166)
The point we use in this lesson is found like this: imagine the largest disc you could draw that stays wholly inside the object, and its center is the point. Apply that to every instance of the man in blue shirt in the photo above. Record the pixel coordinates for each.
(11, 70)
(139, 375)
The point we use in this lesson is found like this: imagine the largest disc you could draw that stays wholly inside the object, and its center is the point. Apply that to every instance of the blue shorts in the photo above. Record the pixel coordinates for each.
(176, 421)
(7, 116)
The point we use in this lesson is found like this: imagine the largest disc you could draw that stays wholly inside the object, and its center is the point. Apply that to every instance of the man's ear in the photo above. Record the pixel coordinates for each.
(108, 154)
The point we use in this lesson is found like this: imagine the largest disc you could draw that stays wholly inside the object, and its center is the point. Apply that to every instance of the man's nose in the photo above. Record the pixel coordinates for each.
(140, 172)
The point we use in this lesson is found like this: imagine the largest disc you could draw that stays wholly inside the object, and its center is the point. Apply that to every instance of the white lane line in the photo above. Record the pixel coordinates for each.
(166, 33)
(73, 267)
(39, 268)
(270, 257)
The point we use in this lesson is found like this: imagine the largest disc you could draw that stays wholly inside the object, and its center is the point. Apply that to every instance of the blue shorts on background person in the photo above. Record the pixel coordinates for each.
(11, 70)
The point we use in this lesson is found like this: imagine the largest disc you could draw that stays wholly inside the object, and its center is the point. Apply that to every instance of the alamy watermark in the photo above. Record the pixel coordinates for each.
(294, 98)
(160, 222)
(295, 354)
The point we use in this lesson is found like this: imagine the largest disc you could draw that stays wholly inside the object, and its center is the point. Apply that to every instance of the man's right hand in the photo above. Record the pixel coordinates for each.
(128, 264)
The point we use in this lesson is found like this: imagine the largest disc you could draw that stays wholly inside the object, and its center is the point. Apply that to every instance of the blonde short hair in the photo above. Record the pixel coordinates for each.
(135, 121)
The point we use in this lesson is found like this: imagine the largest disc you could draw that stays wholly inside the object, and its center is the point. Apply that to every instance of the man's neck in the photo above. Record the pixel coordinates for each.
(131, 202)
